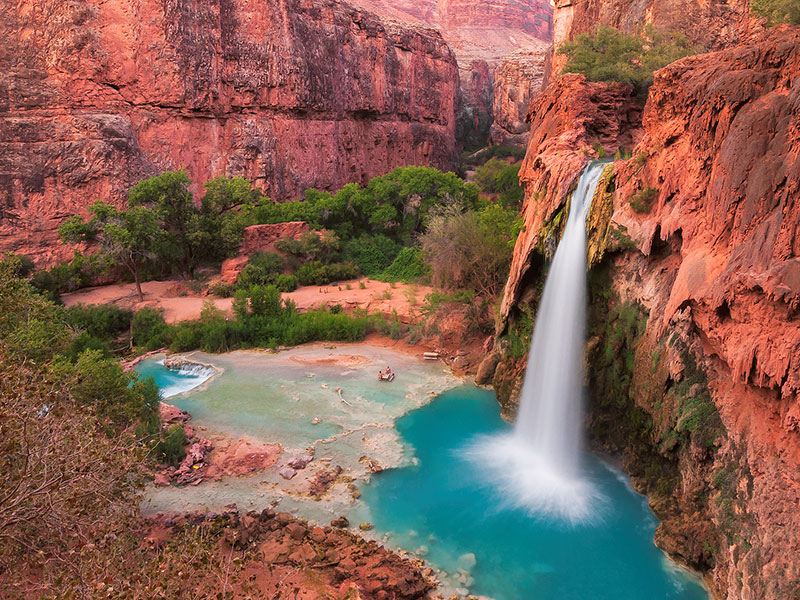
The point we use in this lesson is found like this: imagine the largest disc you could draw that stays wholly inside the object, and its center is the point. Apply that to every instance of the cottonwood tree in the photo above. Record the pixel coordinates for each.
(131, 237)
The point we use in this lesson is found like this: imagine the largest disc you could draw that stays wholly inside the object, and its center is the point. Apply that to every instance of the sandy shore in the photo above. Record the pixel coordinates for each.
(180, 304)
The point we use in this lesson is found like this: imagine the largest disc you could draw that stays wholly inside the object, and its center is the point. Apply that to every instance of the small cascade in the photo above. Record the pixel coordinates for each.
(539, 464)
(184, 376)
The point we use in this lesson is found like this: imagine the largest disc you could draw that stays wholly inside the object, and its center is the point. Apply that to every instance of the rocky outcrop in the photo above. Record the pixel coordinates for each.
(516, 82)
(283, 556)
(260, 238)
(290, 94)
(708, 25)
(693, 359)
(483, 35)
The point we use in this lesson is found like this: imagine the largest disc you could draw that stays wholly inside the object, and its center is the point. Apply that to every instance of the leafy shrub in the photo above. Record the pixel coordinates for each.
(471, 249)
(642, 201)
(262, 268)
(171, 446)
(312, 245)
(511, 191)
(149, 329)
(407, 267)
(610, 55)
(486, 174)
(371, 253)
(286, 283)
(104, 321)
(777, 11)
(223, 289)
(317, 273)
(69, 276)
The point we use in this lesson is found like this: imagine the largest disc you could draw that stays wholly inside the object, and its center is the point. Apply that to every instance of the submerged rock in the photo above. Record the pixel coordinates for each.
(287, 472)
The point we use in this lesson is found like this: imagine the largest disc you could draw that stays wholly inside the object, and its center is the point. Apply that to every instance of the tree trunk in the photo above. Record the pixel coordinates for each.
(138, 285)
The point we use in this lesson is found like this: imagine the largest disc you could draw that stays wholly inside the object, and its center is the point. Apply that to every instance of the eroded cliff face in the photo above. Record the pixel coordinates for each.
(708, 25)
(484, 36)
(694, 342)
(517, 81)
(95, 95)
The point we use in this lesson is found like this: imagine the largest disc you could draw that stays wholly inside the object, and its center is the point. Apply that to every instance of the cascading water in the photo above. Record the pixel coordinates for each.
(538, 465)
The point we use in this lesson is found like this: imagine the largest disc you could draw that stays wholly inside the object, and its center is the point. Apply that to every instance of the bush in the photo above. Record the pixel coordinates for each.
(642, 201)
(262, 268)
(407, 267)
(610, 55)
(171, 446)
(286, 283)
(69, 276)
(486, 175)
(223, 289)
(105, 321)
(149, 329)
(316, 273)
(471, 249)
(371, 253)
(777, 11)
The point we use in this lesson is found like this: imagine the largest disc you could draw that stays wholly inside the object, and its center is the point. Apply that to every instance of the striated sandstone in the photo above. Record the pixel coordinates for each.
(287, 93)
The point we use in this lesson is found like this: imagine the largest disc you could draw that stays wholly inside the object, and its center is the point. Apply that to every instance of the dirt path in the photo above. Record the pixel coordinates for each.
(180, 304)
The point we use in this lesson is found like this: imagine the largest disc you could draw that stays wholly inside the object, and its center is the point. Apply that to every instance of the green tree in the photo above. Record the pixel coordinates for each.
(225, 210)
(607, 54)
(169, 196)
(777, 11)
(486, 175)
(131, 238)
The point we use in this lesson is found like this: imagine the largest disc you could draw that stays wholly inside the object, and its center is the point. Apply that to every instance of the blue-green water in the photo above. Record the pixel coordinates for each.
(439, 505)
(442, 505)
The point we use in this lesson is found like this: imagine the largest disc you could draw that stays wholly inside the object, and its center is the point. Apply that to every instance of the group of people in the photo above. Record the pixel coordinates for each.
(387, 374)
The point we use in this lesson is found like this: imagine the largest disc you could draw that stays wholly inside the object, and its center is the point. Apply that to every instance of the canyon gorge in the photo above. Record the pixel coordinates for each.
(95, 96)
(692, 355)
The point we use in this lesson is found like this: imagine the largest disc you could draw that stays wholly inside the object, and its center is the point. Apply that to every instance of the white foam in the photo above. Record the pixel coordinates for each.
(524, 481)
(186, 378)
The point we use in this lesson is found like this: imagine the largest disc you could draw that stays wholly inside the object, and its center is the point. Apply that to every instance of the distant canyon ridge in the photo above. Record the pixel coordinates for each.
(291, 94)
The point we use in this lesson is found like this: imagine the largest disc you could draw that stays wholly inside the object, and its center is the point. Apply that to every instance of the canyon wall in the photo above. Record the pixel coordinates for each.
(95, 95)
(694, 349)
(508, 35)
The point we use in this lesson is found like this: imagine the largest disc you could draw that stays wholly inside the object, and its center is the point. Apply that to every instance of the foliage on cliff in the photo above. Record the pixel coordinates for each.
(610, 55)
(777, 11)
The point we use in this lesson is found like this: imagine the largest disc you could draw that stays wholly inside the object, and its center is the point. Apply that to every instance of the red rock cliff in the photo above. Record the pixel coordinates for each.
(711, 258)
(95, 95)
(484, 35)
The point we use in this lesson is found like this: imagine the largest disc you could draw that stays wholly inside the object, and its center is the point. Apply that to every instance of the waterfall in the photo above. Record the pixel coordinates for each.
(539, 464)
(551, 405)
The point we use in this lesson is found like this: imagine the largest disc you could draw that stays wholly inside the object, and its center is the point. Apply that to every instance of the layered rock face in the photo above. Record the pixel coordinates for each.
(485, 36)
(517, 81)
(708, 25)
(694, 351)
(287, 93)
